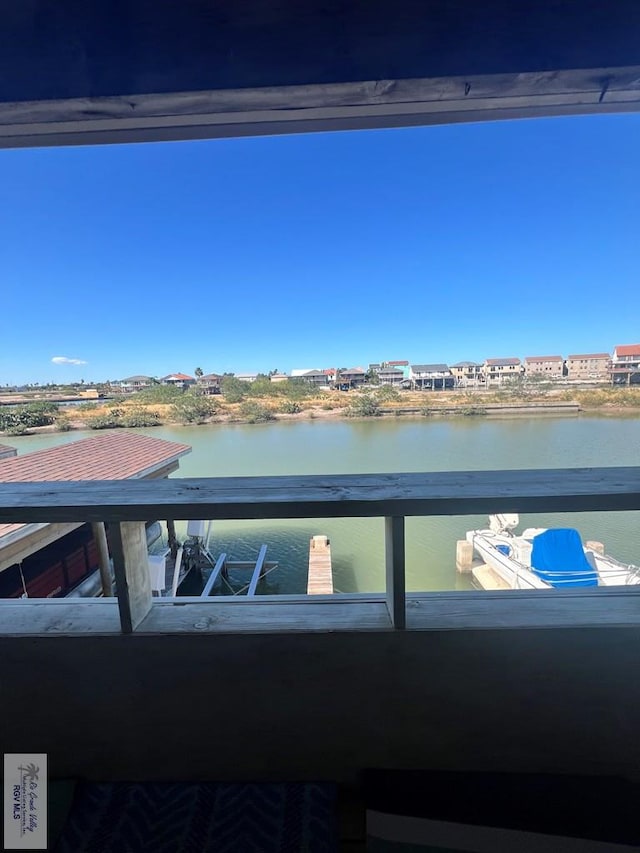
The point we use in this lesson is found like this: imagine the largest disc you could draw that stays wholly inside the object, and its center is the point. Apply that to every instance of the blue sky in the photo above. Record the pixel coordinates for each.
(430, 244)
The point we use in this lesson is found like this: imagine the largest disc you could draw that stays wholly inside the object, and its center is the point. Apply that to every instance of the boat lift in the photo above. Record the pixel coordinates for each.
(195, 556)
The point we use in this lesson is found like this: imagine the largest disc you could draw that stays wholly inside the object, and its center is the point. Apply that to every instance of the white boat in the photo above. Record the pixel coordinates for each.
(541, 558)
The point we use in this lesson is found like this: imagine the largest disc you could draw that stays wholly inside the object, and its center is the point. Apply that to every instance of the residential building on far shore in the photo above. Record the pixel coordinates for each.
(246, 377)
(353, 377)
(279, 377)
(210, 383)
(315, 377)
(390, 376)
(467, 374)
(178, 380)
(588, 366)
(498, 370)
(549, 366)
(431, 377)
(625, 364)
(133, 383)
(402, 365)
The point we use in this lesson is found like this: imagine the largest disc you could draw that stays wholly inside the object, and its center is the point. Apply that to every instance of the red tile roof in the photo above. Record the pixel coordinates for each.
(629, 349)
(182, 376)
(112, 456)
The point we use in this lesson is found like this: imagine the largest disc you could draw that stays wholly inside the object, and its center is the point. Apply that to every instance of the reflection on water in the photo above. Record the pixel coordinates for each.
(374, 446)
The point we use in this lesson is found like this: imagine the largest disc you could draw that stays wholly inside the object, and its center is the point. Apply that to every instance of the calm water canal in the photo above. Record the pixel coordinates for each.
(389, 445)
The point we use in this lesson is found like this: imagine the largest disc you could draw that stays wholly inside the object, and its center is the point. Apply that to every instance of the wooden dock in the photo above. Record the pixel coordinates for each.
(320, 579)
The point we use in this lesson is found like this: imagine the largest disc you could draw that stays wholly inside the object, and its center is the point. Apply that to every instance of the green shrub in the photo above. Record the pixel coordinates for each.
(290, 407)
(385, 393)
(104, 422)
(63, 424)
(234, 390)
(193, 409)
(31, 415)
(363, 407)
(17, 429)
(87, 407)
(157, 394)
(297, 388)
(254, 413)
(139, 417)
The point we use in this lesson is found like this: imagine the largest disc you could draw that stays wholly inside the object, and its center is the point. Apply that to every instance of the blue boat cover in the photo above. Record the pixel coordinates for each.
(559, 559)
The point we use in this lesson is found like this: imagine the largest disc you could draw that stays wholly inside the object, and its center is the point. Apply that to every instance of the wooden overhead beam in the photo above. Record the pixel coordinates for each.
(335, 106)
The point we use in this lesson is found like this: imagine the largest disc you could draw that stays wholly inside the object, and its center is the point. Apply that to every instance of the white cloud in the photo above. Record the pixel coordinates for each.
(62, 359)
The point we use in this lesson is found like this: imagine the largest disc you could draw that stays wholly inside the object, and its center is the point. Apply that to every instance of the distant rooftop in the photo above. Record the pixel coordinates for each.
(137, 379)
(544, 358)
(590, 355)
(466, 364)
(502, 362)
(628, 349)
(430, 368)
(180, 376)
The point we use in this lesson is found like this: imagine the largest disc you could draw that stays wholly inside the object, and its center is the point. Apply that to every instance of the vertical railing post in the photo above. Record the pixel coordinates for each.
(131, 569)
(100, 538)
(395, 566)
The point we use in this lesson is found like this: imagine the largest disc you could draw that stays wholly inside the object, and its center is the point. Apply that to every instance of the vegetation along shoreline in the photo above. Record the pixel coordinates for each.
(262, 402)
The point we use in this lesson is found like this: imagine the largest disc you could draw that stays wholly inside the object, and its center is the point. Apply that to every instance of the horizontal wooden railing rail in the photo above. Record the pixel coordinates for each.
(324, 496)
(392, 496)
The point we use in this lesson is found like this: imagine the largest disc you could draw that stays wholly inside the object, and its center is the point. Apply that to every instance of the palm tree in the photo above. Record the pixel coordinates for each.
(198, 372)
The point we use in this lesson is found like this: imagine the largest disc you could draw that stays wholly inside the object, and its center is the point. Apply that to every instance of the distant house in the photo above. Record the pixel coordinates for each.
(279, 377)
(498, 370)
(354, 377)
(210, 383)
(588, 366)
(398, 365)
(390, 376)
(246, 377)
(549, 366)
(467, 374)
(431, 377)
(178, 380)
(625, 364)
(315, 377)
(134, 383)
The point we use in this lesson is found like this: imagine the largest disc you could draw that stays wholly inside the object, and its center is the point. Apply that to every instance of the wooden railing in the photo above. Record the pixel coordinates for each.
(391, 496)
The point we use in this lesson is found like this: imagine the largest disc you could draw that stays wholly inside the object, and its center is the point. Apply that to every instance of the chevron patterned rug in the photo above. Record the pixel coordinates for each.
(127, 817)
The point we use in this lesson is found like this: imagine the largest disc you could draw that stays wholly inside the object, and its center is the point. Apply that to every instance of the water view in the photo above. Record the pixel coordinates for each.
(384, 445)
